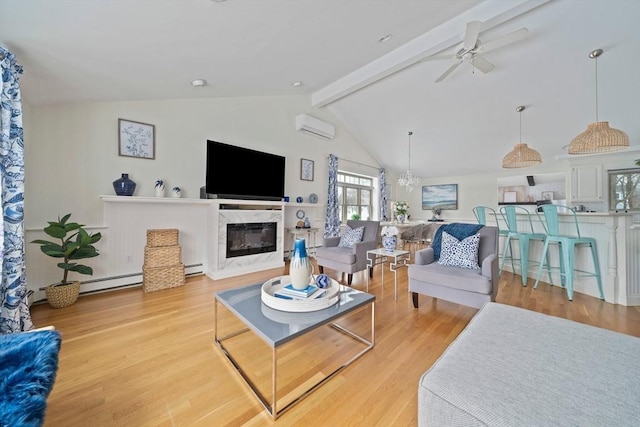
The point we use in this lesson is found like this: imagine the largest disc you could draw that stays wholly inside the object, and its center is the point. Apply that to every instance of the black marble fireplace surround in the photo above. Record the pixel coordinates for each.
(251, 238)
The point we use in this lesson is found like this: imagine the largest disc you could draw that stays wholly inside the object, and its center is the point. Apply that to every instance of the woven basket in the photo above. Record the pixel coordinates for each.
(161, 256)
(60, 296)
(157, 278)
(162, 237)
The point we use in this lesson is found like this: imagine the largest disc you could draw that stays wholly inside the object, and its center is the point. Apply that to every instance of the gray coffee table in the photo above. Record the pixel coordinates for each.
(277, 328)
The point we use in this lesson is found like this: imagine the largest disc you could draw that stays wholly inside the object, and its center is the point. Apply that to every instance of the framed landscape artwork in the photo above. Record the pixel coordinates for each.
(136, 139)
(443, 197)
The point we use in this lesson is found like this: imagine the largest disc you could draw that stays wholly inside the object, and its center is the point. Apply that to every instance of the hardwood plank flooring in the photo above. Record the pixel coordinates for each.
(131, 358)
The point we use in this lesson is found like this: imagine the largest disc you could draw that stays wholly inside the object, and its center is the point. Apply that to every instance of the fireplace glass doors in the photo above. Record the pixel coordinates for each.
(251, 238)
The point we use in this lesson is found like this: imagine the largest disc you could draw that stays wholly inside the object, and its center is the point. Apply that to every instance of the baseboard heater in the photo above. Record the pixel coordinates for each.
(123, 281)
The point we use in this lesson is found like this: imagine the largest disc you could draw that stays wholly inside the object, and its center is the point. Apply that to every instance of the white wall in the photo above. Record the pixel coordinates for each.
(71, 156)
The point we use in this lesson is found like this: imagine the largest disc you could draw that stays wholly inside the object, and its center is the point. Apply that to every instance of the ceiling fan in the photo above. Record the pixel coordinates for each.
(471, 48)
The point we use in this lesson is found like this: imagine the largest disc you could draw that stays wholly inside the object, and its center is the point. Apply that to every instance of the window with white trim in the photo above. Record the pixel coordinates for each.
(355, 196)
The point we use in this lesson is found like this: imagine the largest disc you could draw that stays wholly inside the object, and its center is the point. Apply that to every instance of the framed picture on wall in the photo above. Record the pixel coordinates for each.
(136, 139)
(306, 170)
(444, 197)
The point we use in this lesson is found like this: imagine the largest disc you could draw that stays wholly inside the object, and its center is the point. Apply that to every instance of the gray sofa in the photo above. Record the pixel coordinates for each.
(516, 367)
(460, 285)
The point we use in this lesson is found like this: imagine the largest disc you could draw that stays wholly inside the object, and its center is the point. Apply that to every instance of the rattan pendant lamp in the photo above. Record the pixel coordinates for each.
(599, 137)
(522, 156)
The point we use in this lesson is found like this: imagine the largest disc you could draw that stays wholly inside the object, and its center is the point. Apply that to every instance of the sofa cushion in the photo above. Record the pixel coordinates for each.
(338, 254)
(350, 237)
(459, 253)
(516, 367)
(465, 279)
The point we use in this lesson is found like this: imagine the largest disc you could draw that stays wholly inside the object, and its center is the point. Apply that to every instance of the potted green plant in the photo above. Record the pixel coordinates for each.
(74, 243)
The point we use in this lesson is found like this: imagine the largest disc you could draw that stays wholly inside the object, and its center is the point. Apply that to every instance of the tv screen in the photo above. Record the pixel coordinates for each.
(241, 173)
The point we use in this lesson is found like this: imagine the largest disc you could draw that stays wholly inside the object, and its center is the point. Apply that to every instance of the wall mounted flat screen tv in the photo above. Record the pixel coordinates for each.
(242, 173)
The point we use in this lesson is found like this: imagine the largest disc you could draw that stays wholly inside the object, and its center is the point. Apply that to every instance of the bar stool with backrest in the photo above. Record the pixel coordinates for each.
(482, 213)
(523, 236)
(412, 237)
(568, 245)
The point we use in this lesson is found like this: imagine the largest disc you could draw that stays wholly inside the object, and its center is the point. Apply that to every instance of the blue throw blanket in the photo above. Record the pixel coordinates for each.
(28, 367)
(458, 230)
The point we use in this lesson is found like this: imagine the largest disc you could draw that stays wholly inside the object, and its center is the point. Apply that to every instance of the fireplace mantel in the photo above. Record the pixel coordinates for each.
(203, 229)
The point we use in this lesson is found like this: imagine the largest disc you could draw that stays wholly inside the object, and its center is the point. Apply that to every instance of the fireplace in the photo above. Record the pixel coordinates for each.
(251, 238)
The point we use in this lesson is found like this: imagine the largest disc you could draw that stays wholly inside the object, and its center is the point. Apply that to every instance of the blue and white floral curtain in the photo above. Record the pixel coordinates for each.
(384, 214)
(14, 311)
(332, 221)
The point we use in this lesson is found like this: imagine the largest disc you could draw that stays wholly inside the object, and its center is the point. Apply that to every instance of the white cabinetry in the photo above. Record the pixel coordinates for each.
(586, 183)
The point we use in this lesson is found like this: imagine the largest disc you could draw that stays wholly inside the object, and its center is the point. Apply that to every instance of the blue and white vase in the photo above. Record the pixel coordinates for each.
(389, 243)
(175, 191)
(300, 268)
(124, 186)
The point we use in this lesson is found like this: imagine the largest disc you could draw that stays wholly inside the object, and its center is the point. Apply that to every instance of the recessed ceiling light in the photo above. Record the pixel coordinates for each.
(199, 83)
(385, 38)
(296, 84)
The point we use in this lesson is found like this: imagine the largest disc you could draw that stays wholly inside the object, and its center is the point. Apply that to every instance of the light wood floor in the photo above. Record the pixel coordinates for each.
(131, 358)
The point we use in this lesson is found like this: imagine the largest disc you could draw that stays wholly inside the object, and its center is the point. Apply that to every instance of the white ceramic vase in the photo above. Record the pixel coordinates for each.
(300, 267)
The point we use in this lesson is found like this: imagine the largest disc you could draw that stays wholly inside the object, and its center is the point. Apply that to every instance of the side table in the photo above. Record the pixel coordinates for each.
(309, 233)
(380, 256)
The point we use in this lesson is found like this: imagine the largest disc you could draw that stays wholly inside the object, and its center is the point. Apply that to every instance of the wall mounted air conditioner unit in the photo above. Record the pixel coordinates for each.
(309, 124)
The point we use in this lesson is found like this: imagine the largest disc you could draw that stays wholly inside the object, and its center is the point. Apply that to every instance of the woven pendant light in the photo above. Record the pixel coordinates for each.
(522, 156)
(599, 137)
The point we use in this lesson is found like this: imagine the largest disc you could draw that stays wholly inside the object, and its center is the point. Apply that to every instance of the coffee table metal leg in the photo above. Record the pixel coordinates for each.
(272, 407)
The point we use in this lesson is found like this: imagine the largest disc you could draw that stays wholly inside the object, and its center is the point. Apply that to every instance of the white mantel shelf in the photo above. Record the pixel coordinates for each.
(137, 199)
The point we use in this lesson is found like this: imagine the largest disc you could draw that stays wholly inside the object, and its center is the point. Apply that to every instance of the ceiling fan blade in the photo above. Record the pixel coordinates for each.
(471, 35)
(482, 64)
(504, 40)
(449, 71)
(435, 57)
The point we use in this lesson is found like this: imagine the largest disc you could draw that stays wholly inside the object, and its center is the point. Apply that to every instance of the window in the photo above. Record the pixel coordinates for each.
(355, 196)
(624, 190)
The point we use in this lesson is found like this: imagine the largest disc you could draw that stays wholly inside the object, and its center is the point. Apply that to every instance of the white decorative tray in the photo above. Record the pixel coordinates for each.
(331, 296)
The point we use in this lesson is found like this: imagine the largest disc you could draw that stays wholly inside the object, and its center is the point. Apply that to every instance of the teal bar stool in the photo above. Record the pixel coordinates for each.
(568, 245)
(524, 237)
(482, 213)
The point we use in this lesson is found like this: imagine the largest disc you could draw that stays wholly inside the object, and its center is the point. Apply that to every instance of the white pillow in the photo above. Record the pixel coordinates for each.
(351, 236)
(459, 253)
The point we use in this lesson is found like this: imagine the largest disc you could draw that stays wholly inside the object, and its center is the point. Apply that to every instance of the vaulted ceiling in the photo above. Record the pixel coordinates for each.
(79, 51)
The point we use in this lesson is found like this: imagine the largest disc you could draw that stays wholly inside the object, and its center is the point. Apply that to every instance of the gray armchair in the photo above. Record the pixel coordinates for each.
(348, 260)
(471, 287)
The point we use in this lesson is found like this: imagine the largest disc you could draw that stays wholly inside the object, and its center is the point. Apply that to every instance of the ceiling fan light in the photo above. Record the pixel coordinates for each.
(599, 138)
(522, 156)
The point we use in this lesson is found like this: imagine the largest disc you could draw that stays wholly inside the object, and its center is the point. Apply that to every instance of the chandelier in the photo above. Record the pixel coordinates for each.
(409, 179)
(522, 156)
(599, 137)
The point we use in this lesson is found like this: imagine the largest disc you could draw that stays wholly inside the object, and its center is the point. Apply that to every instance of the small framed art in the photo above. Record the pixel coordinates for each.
(547, 195)
(306, 170)
(136, 139)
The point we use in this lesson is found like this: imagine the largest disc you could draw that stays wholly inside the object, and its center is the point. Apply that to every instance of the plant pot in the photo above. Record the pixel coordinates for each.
(389, 243)
(60, 296)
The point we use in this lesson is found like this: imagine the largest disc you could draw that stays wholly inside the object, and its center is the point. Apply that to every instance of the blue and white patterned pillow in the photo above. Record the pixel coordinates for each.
(350, 237)
(459, 253)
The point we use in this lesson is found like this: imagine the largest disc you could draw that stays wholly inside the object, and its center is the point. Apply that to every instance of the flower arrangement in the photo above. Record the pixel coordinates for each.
(402, 208)
(436, 211)
(389, 230)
